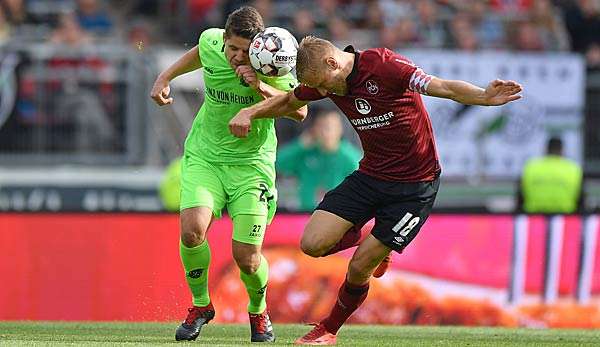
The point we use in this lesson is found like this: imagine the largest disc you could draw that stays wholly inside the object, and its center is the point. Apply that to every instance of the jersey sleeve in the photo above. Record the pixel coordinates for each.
(304, 93)
(406, 75)
(210, 45)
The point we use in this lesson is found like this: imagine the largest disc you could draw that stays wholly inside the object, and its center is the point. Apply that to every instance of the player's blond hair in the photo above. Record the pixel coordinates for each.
(311, 56)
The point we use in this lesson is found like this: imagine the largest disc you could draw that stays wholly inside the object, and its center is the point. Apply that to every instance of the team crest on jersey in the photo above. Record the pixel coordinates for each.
(372, 87)
(362, 106)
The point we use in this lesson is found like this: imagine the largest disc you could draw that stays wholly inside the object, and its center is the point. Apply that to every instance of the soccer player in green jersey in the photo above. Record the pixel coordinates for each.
(220, 170)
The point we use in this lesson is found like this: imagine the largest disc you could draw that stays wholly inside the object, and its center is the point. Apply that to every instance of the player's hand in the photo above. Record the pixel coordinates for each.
(240, 125)
(160, 92)
(499, 92)
(248, 74)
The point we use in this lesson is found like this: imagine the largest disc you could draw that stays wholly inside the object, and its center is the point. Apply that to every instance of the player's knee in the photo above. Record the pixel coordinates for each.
(192, 237)
(248, 263)
(312, 248)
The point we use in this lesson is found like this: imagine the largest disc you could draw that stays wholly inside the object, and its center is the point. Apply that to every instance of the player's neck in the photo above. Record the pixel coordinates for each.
(347, 63)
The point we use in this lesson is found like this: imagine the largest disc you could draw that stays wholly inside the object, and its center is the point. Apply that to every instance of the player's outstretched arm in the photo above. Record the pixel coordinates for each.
(190, 61)
(498, 92)
(273, 107)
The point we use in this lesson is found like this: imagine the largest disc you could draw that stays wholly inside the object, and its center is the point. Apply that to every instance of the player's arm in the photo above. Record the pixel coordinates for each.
(249, 76)
(268, 91)
(273, 107)
(190, 61)
(498, 92)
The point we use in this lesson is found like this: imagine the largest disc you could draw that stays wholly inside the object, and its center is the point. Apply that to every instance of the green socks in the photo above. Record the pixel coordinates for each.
(256, 286)
(195, 262)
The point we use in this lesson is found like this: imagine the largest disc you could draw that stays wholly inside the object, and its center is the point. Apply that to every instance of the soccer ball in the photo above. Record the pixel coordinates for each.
(273, 52)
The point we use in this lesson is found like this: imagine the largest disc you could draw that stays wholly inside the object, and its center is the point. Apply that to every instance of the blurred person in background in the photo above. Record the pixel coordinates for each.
(5, 28)
(429, 26)
(169, 189)
(550, 25)
(339, 31)
(487, 25)
(527, 38)
(219, 170)
(140, 35)
(303, 23)
(77, 103)
(319, 159)
(374, 16)
(16, 12)
(511, 7)
(93, 17)
(395, 10)
(551, 184)
(406, 34)
(265, 8)
(463, 35)
(388, 37)
(69, 32)
(582, 18)
(398, 178)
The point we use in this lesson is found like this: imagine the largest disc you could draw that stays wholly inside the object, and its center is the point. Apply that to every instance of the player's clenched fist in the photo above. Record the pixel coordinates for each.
(240, 125)
(160, 92)
(248, 74)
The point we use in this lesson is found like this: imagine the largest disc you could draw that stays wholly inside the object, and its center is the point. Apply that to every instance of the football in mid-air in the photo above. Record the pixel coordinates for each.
(273, 52)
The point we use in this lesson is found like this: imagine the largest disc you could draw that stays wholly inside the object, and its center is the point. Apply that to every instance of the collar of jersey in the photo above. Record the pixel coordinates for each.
(354, 73)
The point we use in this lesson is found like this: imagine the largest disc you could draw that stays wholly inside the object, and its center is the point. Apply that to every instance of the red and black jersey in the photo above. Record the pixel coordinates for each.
(385, 108)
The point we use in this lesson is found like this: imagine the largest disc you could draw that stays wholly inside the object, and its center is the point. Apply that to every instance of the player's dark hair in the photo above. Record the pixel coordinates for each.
(555, 146)
(244, 22)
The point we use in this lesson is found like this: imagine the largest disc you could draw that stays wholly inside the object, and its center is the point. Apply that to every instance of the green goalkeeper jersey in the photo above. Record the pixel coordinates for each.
(224, 96)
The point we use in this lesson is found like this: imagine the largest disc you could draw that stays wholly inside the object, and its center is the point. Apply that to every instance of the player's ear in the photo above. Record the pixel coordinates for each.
(331, 63)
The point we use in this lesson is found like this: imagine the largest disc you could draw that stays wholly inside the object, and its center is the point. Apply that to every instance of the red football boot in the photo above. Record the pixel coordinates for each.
(319, 336)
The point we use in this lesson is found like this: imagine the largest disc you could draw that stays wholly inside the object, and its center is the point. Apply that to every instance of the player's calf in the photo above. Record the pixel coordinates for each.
(321, 247)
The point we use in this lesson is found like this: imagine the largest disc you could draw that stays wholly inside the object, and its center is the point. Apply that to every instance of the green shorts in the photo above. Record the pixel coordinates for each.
(247, 191)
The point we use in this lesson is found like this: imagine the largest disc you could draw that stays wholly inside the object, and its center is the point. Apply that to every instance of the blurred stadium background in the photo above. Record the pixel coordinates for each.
(83, 149)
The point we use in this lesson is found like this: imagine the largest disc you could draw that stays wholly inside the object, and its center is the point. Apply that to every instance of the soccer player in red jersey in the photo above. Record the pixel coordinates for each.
(398, 177)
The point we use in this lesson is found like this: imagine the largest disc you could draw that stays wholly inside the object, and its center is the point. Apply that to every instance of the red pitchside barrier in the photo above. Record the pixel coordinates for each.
(126, 266)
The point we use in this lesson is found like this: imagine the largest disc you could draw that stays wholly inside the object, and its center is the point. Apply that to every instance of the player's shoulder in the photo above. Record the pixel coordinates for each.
(383, 54)
(384, 61)
(212, 37)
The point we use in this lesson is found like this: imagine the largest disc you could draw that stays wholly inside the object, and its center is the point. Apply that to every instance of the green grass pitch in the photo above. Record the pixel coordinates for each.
(162, 334)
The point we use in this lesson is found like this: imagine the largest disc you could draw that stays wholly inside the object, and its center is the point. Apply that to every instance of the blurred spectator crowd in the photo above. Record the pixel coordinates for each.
(73, 100)
(523, 25)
